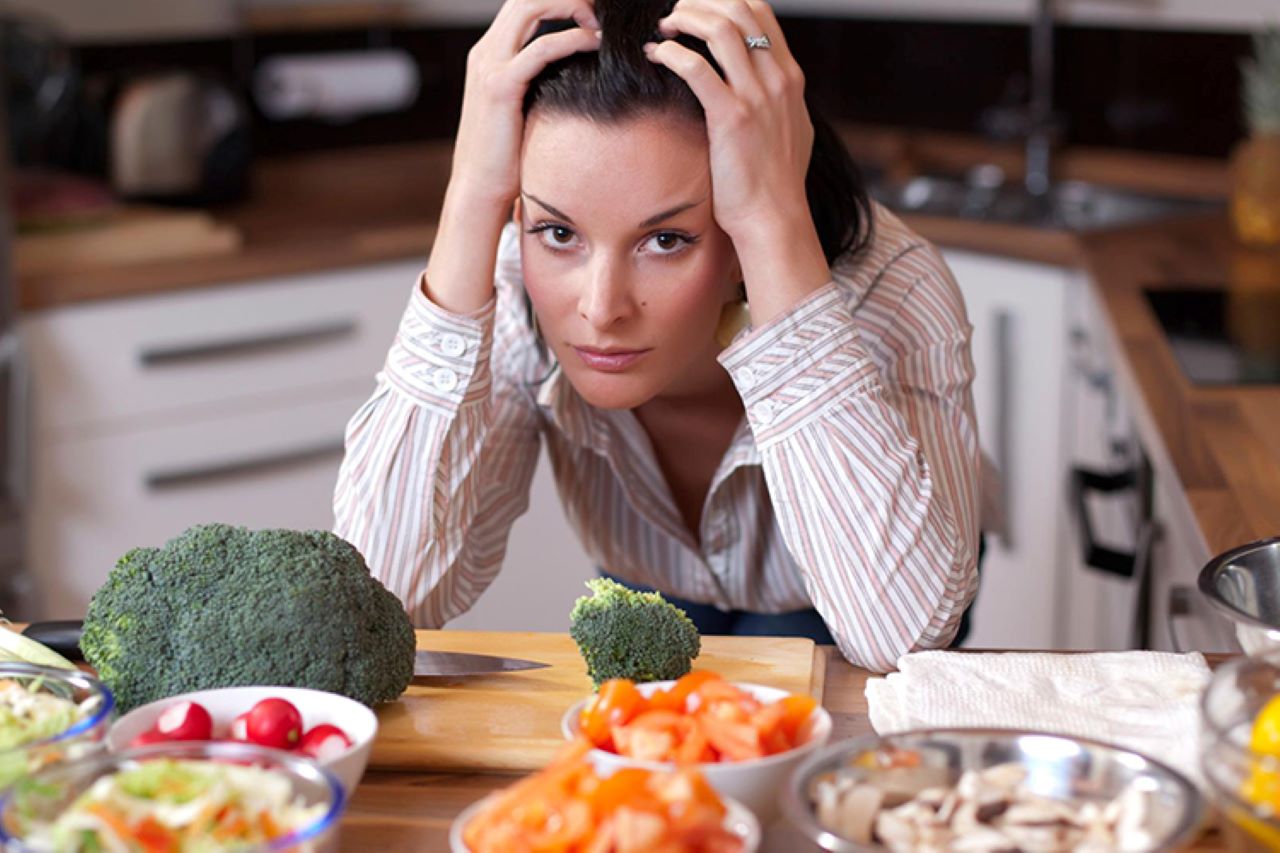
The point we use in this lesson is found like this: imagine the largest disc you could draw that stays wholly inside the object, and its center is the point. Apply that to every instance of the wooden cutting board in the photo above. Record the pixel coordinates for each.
(512, 721)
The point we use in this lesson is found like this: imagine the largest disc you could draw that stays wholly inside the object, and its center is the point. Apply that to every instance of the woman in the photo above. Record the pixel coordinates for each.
(754, 385)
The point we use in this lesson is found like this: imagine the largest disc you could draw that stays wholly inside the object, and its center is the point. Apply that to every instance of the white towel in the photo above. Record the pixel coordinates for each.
(1146, 701)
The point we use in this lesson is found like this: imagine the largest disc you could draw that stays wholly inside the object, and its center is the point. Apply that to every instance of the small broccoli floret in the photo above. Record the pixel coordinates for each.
(222, 606)
(627, 634)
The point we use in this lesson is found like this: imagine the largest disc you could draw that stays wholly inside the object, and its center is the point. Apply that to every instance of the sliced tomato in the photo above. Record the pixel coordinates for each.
(797, 708)
(675, 697)
(628, 785)
(735, 741)
(616, 702)
(695, 748)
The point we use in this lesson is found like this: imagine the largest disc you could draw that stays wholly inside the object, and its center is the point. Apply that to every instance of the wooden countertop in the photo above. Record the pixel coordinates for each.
(1222, 443)
(393, 812)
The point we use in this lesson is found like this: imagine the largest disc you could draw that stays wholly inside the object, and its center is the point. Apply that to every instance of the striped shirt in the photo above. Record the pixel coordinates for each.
(851, 484)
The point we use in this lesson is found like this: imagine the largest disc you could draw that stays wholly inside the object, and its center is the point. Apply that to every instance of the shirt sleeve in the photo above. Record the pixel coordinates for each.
(870, 453)
(439, 461)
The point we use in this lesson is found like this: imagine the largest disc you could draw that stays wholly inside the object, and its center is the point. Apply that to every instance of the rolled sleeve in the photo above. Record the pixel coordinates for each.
(441, 359)
(792, 368)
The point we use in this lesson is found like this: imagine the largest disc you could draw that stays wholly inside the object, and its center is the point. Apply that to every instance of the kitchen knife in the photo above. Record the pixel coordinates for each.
(429, 664)
(64, 638)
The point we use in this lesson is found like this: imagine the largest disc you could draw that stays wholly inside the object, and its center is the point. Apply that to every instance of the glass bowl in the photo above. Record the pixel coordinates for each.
(1244, 784)
(86, 736)
(41, 798)
(1056, 767)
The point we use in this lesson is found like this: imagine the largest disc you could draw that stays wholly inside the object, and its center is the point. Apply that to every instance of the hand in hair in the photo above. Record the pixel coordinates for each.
(760, 138)
(486, 160)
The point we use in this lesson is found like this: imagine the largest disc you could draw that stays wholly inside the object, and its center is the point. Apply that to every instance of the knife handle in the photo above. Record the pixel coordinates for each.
(63, 636)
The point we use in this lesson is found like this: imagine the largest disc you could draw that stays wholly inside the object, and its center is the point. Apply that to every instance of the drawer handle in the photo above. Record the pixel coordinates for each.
(165, 356)
(186, 478)
(1097, 556)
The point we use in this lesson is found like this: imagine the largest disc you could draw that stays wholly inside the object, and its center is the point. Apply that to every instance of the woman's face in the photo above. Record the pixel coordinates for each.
(623, 261)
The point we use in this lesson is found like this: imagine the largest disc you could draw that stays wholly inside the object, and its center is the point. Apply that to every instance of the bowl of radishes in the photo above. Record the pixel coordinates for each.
(332, 730)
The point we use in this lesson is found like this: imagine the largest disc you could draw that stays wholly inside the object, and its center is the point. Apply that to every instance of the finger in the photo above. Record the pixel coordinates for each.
(754, 17)
(714, 94)
(779, 73)
(518, 20)
(723, 35)
(543, 51)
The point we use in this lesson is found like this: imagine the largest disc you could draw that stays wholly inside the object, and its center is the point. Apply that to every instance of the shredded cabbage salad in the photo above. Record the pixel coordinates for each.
(29, 713)
(181, 806)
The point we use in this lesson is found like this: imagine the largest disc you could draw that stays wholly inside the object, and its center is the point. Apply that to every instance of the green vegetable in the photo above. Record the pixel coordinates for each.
(16, 648)
(627, 634)
(223, 606)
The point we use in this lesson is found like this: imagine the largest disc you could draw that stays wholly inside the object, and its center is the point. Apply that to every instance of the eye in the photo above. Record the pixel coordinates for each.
(555, 237)
(667, 242)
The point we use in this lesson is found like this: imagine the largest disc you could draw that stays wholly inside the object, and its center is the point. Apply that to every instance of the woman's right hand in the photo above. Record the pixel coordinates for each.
(486, 157)
(499, 68)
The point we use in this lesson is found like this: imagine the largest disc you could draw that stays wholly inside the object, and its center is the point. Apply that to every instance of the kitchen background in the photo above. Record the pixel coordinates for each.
(194, 354)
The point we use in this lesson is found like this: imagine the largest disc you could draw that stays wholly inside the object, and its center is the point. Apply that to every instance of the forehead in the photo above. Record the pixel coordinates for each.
(636, 166)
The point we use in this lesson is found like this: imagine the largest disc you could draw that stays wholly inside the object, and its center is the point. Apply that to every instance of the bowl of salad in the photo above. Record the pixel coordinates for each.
(744, 738)
(175, 796)
(47, 715)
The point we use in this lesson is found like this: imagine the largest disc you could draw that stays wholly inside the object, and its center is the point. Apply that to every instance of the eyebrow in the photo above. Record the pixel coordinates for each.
(648, 223)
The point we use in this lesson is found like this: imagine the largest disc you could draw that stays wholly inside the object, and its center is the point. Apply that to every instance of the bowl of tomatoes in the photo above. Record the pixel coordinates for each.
(744, 738)
(333, 731)
(572, 805)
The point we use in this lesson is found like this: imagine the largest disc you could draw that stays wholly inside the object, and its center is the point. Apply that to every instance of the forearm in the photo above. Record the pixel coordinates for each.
(459, 274)
(782, 262)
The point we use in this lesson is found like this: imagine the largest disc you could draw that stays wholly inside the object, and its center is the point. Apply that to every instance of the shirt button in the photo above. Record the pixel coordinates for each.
(746, 378)
(764, 411)
(452, 345)
(444, 379)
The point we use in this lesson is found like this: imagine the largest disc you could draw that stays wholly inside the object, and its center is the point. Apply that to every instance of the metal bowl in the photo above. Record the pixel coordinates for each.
(1243, 584)
(1058, 767)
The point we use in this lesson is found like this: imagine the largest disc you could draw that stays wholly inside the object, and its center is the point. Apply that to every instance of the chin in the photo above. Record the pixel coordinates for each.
(612, 392)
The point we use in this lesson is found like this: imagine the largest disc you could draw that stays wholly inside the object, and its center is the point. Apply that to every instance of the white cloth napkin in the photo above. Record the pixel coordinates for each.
(1146, 701)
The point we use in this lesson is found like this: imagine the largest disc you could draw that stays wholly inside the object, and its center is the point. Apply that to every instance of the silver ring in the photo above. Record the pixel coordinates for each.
(760, 42)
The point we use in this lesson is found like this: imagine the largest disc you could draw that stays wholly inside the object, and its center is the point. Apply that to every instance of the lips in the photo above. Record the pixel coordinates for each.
(609, 360)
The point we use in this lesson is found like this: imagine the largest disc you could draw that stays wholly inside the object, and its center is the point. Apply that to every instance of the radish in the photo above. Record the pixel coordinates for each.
(185, 721)
(273, 722)
(323, 742)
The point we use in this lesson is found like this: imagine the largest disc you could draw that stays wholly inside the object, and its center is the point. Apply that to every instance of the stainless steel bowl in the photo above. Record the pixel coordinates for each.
(1057, 766)
(1243, 584)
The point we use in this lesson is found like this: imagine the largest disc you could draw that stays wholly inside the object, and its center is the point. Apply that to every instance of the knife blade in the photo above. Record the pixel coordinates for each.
(430, 664)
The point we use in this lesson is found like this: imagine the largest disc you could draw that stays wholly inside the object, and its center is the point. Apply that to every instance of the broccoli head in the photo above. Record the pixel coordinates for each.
(222, 606)
(623, 633)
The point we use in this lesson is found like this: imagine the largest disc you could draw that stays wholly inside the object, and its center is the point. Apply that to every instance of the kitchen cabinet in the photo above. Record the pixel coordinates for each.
(1019, 341)
(1143, 526)
(223, 404)
(229, 404)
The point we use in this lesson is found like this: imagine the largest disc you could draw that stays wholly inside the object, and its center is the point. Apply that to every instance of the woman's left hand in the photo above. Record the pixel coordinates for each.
(760, 139)
(758, 128)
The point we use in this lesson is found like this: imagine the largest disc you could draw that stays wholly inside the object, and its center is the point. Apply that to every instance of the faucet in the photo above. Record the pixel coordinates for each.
(1041, 127)
(1032, 120)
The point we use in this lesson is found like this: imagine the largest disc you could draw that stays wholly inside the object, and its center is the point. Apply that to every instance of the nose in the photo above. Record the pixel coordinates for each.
(606, 297)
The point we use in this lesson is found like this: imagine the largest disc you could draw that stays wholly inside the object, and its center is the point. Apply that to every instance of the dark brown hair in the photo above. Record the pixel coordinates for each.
(619, 82)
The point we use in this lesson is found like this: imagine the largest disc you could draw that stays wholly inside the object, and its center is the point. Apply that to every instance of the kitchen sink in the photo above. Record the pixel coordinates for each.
(984, 194)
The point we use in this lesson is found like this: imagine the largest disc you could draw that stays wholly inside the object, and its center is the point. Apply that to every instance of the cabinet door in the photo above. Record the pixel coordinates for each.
(1017, 312)
(124, 363)
(96, 497)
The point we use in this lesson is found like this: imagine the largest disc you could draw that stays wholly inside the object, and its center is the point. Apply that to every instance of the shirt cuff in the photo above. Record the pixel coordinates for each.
(793, 367)
(439, 358)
